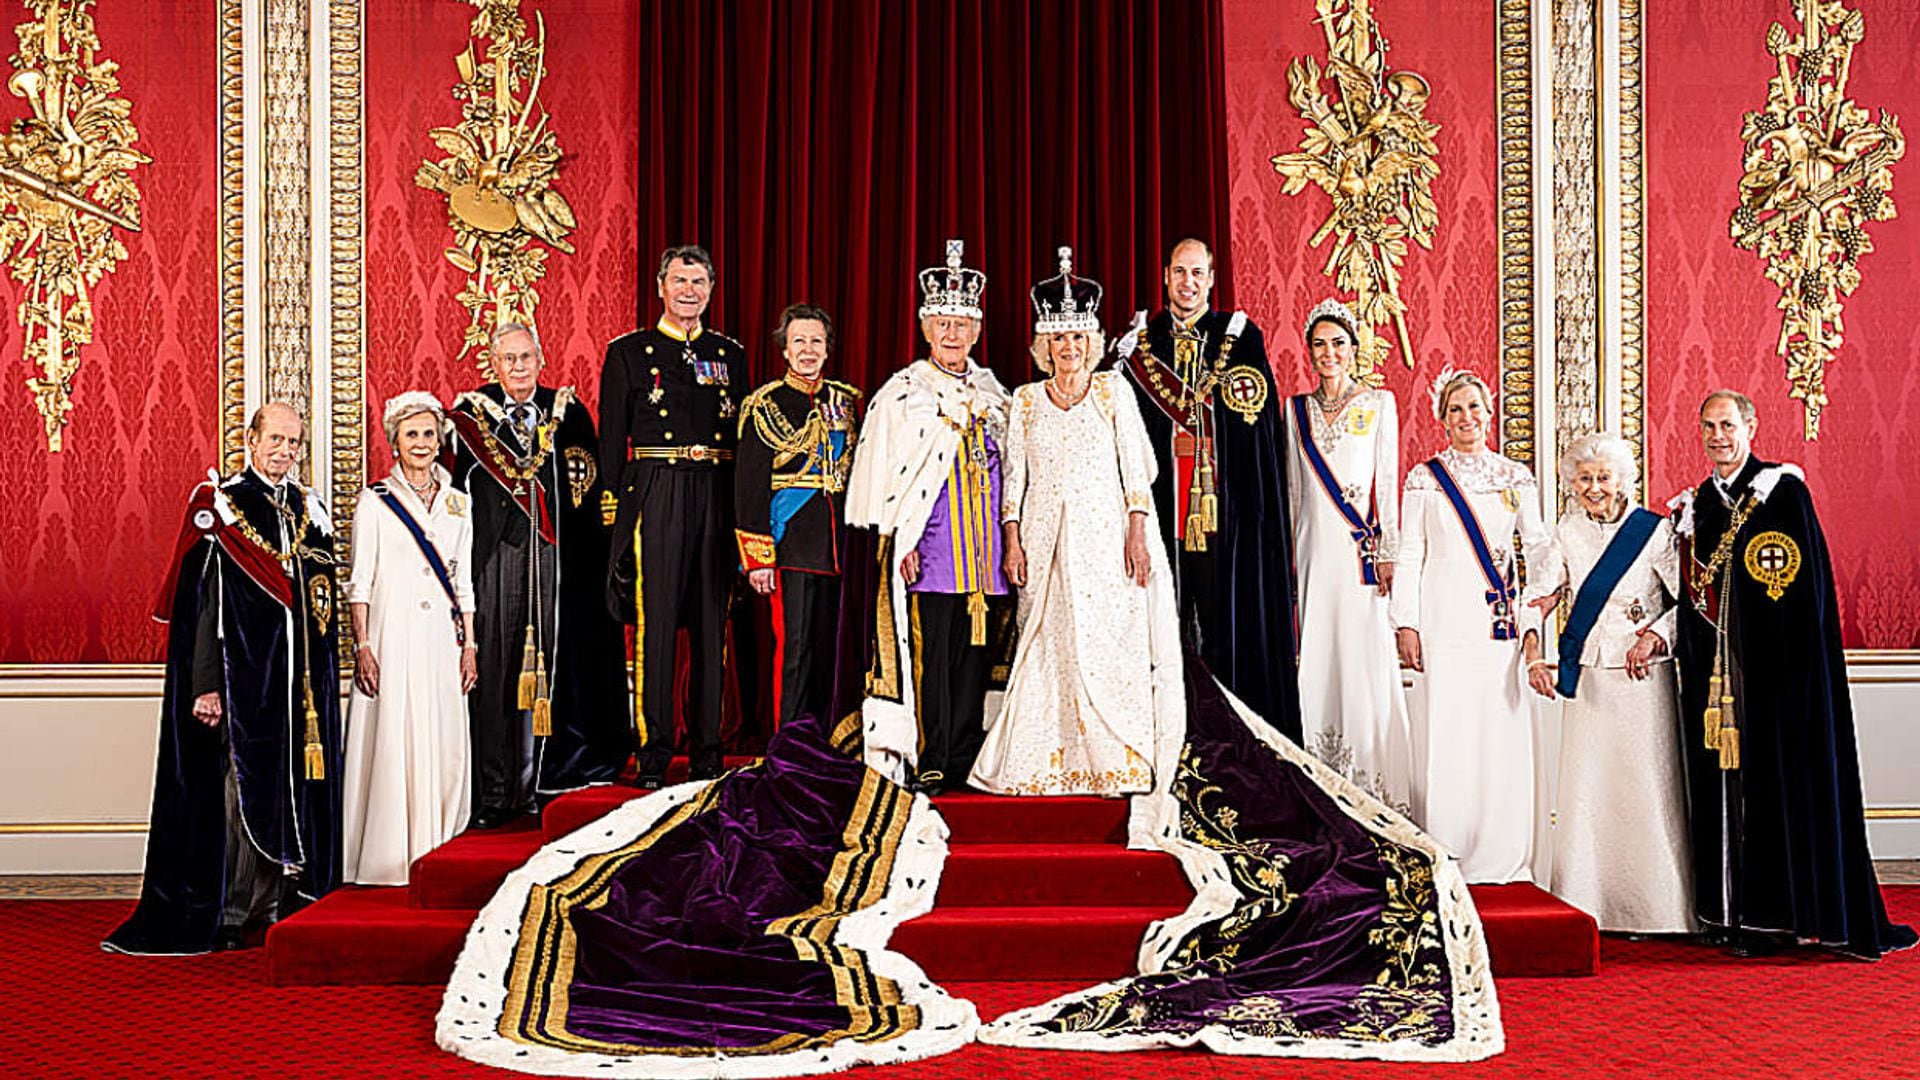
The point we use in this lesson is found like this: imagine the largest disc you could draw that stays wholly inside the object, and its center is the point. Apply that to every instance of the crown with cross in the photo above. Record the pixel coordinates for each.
(952, 289)
(1065, 303)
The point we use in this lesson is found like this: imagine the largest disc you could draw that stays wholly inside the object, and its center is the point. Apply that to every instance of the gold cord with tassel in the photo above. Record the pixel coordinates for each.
(977, 609)
(542, 699)
(315, 755)
(1711, 728)
(530, 670)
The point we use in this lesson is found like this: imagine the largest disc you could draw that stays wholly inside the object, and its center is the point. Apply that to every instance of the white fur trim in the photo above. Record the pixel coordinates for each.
(1681, 506)
(1477, 1031)
(468, 1022)
(1768, 478)
(1237, 325)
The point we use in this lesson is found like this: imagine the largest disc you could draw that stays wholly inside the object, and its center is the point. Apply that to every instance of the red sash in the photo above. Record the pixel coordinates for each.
(203, 522)
(468, 427)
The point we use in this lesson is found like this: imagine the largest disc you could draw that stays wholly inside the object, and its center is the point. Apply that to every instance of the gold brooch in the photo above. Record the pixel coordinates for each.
(1244, 391)
(1773, 560)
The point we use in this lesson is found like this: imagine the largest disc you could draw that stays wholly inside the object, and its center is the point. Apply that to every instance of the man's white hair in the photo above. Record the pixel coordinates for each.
(1606, 449)
(506, 328)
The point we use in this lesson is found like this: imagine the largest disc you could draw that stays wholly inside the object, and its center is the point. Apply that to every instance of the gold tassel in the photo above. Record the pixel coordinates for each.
(1712, 731)
(1729, 748)
(528, 688)
(977, 607)
(1210, 512)
(1196, 532)
(542, 716)
(316, 758)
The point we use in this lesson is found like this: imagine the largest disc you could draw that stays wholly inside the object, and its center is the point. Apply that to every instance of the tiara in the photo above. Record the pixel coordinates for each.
(952, 289)
(1447, 375)
(1331, 308)
(1064, 303)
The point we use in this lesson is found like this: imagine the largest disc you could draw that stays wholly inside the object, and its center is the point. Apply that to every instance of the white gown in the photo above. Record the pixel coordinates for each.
(1094, 693)
(1620, 841)
(1473, 781)
(407, 780)
(1353, 712)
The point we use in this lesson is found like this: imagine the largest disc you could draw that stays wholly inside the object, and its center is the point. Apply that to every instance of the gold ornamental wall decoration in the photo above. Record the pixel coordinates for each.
(1818, 169)
(502, 161)
(1370, 147)
(65, 184)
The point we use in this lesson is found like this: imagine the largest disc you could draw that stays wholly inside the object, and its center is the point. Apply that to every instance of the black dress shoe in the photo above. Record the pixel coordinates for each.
(1749, 945)
(647, 783)
(489, 819)
(229, 939)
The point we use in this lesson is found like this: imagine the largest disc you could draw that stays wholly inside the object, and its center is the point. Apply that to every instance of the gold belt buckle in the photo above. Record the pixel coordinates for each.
(696, 453)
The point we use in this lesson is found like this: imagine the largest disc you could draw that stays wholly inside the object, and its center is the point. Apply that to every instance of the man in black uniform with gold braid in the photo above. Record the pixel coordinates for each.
(1208, 401)
(667, 422)
(796, 441)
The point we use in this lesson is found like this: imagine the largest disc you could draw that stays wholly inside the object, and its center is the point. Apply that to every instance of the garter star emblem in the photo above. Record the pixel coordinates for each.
(1773, 560)
(581, 473)
(1244, 391)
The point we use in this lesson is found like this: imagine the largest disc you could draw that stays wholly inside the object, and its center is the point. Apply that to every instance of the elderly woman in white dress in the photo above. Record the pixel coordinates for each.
(411, 593)
(1094, 703)
(1455, 605)
(1620, 829)
(1343, 476)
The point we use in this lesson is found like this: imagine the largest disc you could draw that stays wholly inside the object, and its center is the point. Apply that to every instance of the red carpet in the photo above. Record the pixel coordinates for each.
(1034, 890)
(1656, 1010)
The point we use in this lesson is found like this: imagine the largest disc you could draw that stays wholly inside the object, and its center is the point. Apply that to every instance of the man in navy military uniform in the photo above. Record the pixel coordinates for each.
(668, 409)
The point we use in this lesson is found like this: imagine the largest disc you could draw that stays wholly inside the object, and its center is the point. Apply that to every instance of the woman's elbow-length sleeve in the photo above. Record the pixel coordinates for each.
(1403, 609)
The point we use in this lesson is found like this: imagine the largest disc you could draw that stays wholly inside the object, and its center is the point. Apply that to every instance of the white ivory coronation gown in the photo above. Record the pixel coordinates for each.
(1620, 841)
(1353, 713)
(1473, 782)
(407, 780)
(1094, 702)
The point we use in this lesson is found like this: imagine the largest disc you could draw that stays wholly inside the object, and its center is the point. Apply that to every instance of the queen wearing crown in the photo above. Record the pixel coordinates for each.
(1094, 701)
(1466, 517)
(1343, 476)
(927, 482)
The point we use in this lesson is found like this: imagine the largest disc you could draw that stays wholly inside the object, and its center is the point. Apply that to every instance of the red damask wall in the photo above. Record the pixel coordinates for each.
(1711, 319)
(588, 298)
(85, 533)
(1451, 290)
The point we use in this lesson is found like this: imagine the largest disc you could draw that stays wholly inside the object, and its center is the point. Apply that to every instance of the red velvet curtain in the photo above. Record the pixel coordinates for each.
(824, 150)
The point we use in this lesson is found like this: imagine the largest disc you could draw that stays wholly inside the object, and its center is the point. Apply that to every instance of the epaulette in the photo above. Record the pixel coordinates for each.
(754, 402)
(844, 387)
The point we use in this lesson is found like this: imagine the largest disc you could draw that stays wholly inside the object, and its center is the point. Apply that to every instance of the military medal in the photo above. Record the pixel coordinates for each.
(1636, 611)
(654, 395)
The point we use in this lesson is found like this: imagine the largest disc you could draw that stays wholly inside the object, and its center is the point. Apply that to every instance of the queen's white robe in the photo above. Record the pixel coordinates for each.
(1473, 780)
(1620, 818)
(1095, 683)
(407, 778)
(1353, 711)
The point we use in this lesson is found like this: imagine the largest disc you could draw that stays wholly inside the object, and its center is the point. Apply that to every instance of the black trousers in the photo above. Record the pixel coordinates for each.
(807, 619)
(502, 732)
(686, 567)
(949, 686)
(1196, 584)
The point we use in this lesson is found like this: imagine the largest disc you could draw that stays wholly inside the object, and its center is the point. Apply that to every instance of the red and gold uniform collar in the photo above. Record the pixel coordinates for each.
(806, 386)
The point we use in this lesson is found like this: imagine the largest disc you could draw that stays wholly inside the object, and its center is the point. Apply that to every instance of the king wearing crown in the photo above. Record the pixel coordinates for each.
(926, 484)
(1212, 417)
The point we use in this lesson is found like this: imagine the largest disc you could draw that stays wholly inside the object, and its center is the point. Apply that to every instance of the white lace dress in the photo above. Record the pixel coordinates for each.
(1094, 693)
(1473, 781)
(1353, 712)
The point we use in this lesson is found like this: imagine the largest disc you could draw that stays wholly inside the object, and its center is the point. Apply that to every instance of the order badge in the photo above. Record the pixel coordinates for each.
(1773, 560)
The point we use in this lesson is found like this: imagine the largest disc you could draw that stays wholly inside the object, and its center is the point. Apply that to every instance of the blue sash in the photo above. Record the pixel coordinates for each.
(1500, 590)
(1622, 550)
(426, 548)
(1366, 531)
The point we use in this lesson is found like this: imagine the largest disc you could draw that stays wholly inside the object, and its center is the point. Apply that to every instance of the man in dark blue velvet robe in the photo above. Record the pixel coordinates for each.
(245, 826)
(1213, 417)
(1773, 774)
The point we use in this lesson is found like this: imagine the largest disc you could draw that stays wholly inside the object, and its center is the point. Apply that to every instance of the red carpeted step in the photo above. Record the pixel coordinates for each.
(1532, 932)
(576, 808)
(463, 873)
(1020, 944)
(365, 936)
(972, 817)
(1067, 819)
(1064, 875)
